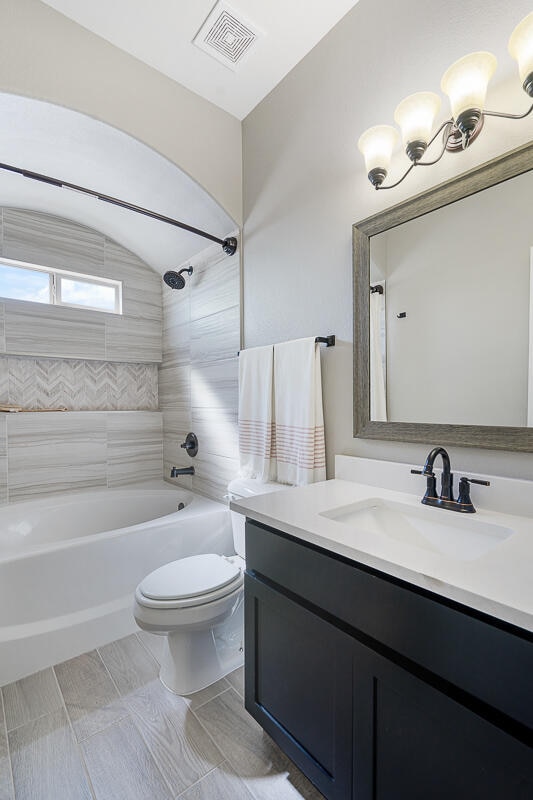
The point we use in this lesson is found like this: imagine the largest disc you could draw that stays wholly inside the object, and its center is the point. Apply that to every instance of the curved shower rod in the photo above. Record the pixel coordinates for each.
(229, 245)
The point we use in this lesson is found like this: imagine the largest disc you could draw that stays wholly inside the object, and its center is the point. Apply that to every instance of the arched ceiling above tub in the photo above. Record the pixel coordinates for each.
(70, 146)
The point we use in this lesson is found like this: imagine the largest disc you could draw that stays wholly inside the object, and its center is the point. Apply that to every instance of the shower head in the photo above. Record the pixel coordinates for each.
(175, 279)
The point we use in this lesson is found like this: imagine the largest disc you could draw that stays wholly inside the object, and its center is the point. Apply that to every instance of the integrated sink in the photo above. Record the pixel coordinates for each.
(446, 532)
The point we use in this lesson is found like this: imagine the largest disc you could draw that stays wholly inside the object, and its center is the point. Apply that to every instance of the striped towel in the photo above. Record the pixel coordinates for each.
(299, 417)
(256, 445)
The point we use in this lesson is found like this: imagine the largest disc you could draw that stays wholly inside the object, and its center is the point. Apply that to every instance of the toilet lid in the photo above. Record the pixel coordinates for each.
(189, 577)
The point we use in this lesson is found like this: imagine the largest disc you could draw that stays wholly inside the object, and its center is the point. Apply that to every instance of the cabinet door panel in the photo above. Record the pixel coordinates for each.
(298, 685)
(423, 744)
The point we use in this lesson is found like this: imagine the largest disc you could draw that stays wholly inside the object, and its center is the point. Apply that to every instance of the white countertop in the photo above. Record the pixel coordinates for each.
(498, 583)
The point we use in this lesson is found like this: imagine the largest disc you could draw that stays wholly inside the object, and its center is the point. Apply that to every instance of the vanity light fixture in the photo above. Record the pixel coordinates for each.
(465, 83)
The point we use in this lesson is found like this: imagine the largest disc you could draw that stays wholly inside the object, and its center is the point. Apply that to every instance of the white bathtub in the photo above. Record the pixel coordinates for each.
(69, 565)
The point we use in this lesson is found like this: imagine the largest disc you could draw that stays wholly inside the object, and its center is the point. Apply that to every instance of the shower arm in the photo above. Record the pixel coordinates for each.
(229, 245)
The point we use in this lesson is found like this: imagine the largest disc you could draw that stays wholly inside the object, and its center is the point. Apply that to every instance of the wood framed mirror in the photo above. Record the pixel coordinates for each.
(458, 325)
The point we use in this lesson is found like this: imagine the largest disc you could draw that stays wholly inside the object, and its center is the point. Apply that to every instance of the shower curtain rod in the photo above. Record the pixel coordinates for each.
(229, 245)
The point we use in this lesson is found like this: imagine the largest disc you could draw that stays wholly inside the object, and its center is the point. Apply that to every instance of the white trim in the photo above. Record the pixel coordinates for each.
(530, 370)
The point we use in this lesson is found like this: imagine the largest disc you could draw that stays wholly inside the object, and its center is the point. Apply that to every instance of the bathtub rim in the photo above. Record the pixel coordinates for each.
(199, 504)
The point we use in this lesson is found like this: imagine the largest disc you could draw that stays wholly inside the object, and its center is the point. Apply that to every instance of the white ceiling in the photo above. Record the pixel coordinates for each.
(70, 146)
(161, 32)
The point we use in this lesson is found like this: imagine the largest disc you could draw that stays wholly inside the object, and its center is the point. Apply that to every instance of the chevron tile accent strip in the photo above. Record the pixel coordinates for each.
(78, 385)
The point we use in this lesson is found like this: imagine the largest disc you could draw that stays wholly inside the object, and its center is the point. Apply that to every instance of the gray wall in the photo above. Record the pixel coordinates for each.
(198, 379)
(305, 184)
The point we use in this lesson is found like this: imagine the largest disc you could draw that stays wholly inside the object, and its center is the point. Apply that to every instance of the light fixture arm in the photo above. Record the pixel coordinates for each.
(450, 130)
(508, 116)
(465, 82)
(447, 127)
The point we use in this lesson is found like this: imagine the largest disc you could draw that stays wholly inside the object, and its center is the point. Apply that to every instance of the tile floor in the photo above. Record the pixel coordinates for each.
(102, 727)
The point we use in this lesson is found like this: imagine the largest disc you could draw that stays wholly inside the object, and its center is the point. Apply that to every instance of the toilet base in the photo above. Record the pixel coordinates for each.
(194, 659)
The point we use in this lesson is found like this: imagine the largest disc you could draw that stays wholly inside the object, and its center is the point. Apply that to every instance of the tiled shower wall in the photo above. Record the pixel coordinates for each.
(198, 378)
(51, 452)
(96, 364)
(36, 329)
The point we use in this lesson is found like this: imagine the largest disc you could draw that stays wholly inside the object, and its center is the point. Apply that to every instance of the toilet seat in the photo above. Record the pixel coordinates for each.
(191, 581)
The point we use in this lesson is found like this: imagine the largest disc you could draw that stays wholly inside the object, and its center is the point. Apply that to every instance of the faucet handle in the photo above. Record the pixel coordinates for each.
(464, 493)
(431, 485)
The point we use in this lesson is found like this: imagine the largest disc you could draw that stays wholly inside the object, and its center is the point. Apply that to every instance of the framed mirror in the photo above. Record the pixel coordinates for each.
(443, 312)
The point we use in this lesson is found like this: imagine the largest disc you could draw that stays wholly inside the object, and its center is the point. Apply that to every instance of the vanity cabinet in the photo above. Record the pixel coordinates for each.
(378, 690)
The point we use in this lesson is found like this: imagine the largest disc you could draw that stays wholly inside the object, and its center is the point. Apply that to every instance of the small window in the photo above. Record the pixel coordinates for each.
(24, 284)
(19, 281)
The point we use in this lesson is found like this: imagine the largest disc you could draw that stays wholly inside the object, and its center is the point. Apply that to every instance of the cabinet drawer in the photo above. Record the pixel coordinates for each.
(490, 661)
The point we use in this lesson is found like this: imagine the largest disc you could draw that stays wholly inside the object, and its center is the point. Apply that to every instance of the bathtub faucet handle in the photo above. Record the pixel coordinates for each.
(190, 444)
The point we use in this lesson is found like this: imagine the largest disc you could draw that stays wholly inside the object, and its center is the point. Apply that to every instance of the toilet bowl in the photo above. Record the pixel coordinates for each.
(198, 604)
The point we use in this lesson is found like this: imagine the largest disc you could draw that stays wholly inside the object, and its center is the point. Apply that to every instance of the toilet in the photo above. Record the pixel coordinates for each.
(198, 603)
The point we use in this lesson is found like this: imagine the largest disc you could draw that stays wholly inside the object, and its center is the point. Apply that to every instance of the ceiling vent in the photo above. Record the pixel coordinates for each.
(226, 36)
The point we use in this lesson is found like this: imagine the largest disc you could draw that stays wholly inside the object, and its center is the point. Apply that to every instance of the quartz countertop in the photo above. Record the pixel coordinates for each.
(498, 583)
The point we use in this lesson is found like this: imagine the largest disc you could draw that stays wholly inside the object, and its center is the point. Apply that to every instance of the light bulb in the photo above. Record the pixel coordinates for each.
(465, 83)
(415, 116)
(521, 48)
(376, 144)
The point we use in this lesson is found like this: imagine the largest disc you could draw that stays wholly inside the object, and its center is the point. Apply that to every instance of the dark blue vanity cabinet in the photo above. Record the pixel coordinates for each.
(379, 690)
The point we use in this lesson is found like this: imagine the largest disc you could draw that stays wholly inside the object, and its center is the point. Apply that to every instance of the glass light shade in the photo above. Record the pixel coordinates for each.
(521, 46)
(376, 144)
(466, 81)
(415, 116)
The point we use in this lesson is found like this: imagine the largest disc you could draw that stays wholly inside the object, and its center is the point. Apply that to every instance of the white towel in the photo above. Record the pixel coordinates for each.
(299, 417)
(256, 446)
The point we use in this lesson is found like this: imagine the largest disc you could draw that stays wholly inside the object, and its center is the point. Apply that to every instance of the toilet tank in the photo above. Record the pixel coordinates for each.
(240, 489)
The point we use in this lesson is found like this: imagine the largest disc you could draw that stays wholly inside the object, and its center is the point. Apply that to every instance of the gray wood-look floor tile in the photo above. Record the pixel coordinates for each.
(129, 663)
(154, 643)
(182, 749)
(6, 780)
(30, 698)
(91, 698)
(121, 766)
(46, 761)
(251, 752)
(198, 699)
(220, 784)
(236, 679)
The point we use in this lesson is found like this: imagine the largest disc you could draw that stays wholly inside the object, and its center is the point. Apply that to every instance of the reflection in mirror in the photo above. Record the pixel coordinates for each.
(451, 335)
(458, 358)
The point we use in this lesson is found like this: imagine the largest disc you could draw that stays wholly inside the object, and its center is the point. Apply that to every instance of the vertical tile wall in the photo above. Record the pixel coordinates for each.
(198, 377)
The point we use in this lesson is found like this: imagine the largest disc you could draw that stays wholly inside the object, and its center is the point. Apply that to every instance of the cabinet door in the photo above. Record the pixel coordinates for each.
(413, 742)
(298, 683)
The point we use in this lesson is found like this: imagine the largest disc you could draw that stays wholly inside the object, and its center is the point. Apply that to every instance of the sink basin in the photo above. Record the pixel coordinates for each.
(462, 537)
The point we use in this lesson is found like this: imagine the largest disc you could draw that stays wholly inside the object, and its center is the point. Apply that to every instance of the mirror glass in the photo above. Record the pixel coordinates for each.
(451, 319)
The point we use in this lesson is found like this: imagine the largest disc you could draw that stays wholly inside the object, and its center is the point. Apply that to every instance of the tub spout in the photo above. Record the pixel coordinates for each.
(176, 471)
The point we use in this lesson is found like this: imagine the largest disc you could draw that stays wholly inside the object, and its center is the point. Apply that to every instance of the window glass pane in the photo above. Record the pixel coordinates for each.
(24, 284)
(79, 293)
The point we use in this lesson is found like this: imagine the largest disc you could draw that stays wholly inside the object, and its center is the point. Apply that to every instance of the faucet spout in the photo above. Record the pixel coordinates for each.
(447, 476)
(175, 472)
(463, 502)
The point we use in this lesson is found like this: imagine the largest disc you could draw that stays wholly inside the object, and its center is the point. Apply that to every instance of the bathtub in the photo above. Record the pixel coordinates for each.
(69, 565)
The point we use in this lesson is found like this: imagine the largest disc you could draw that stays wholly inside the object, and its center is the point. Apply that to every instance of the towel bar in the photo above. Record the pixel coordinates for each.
(329, 341)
